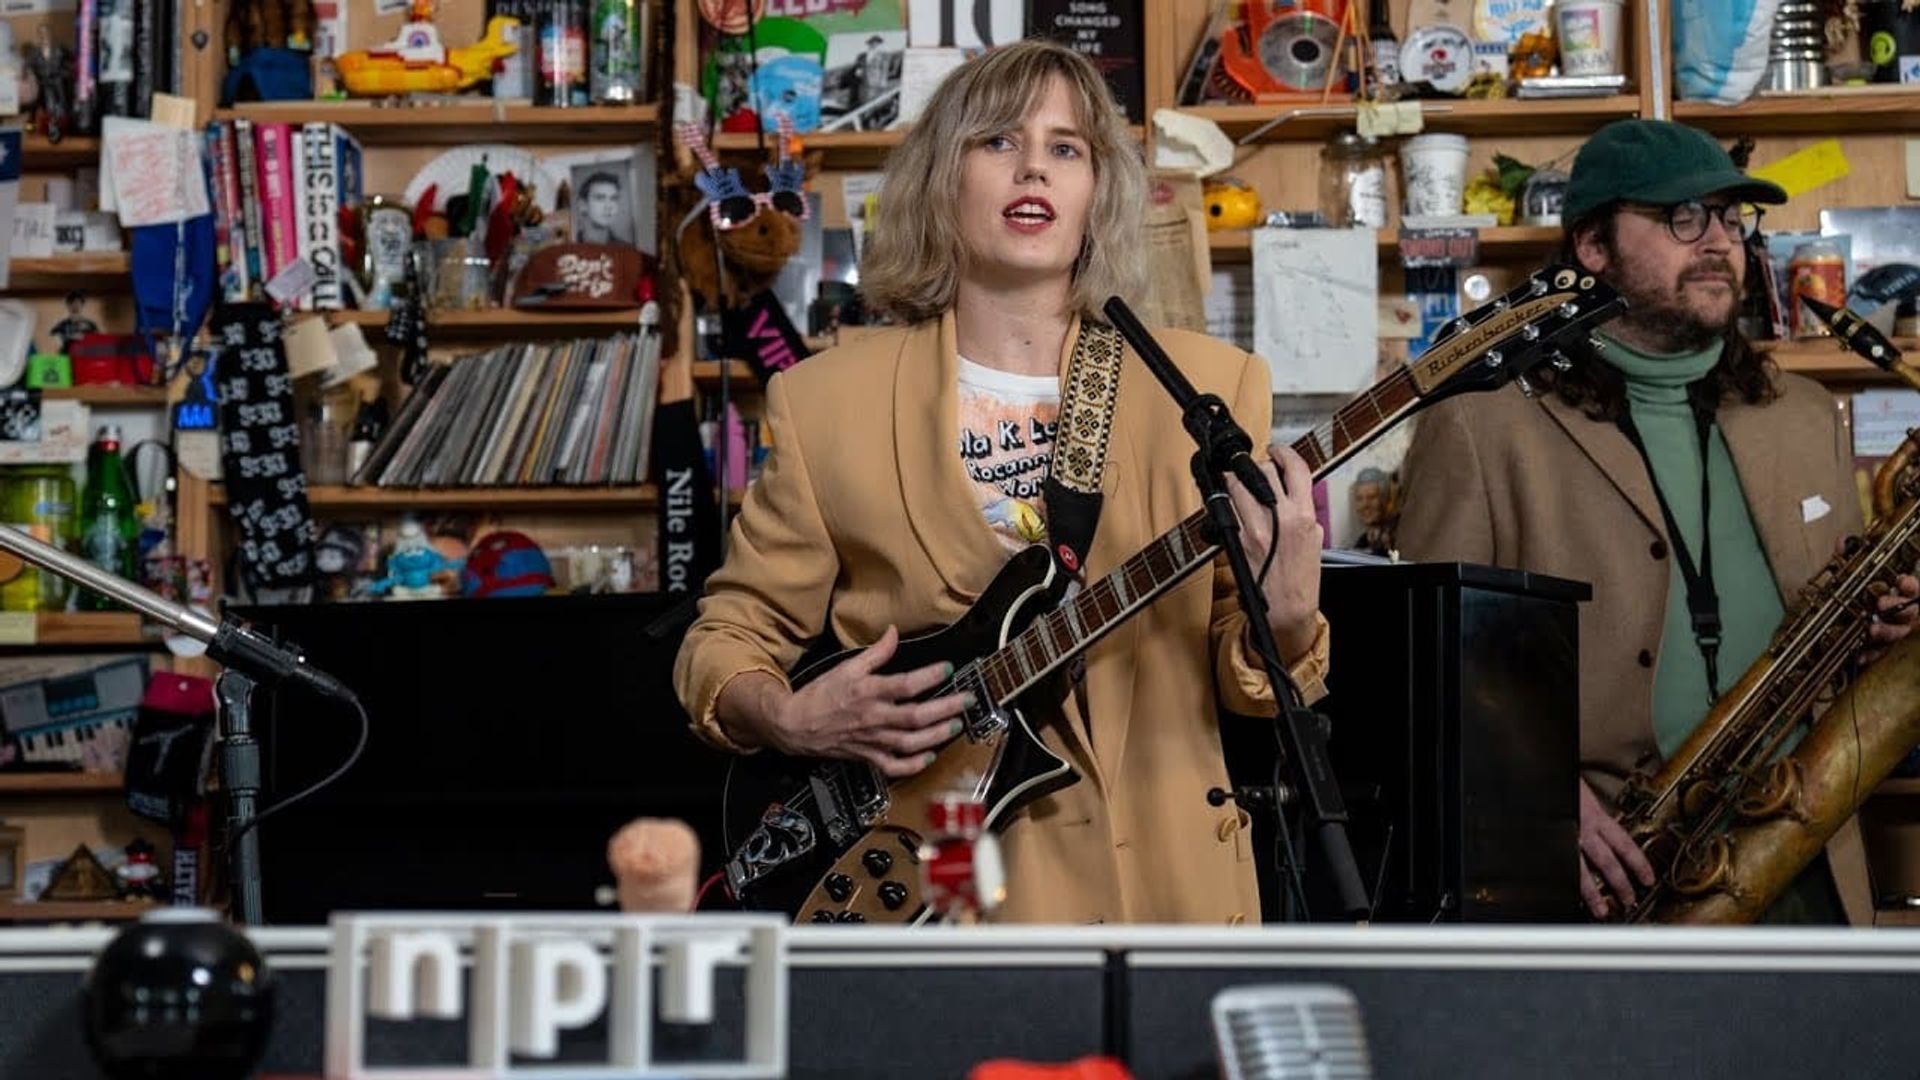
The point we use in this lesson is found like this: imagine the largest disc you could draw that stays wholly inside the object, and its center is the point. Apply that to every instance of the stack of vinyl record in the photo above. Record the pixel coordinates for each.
(1797, 55)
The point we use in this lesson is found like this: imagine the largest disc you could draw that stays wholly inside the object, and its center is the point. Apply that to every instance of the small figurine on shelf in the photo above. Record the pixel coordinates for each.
(51, 65)
(415, 571)
(75, 326)
(140, 877)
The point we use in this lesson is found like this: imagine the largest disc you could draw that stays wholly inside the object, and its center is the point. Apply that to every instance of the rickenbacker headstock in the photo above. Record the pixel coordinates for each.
(1508, 336)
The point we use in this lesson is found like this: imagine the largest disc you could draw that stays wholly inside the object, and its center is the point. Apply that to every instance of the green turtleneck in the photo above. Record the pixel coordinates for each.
(1750, 608)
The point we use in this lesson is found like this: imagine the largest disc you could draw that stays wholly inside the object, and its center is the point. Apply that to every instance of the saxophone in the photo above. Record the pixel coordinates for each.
(1732, 818)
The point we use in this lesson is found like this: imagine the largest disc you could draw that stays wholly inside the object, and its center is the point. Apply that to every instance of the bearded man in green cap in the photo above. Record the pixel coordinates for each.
(1673, 467)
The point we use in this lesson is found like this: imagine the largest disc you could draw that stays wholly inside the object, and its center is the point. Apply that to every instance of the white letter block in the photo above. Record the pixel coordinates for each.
(558, 983)
(404, 964)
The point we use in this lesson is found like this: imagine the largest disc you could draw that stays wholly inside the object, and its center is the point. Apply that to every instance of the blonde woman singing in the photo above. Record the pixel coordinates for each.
(909, 466)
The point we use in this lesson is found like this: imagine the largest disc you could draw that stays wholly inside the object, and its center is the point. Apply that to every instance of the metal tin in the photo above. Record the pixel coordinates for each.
(619, 38)
(1819, 271)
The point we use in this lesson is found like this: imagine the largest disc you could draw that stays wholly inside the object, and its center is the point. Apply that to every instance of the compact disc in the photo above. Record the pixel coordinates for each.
(1297, 50)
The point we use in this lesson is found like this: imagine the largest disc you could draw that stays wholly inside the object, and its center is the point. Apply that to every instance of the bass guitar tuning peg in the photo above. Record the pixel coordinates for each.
(1525, 386)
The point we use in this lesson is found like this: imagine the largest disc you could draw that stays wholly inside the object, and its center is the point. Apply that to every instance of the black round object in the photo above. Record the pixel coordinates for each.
(179, 995)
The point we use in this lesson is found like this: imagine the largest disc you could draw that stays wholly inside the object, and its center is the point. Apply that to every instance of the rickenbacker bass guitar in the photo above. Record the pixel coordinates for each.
(837, 841)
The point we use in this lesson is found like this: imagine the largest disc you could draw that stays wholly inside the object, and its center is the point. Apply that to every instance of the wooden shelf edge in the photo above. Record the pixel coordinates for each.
(61, 272)
(1823, 359)
(367, 497)
(108, 395)
(456, 121)
(88, 628)
(1311, 120)
(74, 910)
(1236, 245)
(494, 321)
(61, 783)
(37, 154)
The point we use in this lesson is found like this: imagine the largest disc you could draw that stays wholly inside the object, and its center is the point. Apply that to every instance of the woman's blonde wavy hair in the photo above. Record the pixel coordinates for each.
(913, 259)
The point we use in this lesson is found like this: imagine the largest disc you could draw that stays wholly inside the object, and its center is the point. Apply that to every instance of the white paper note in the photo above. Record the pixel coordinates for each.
(33, 230)
(152, 172)
(1315, 313)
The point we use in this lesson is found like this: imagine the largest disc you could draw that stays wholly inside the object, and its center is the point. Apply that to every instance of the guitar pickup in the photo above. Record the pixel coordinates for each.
(851, 797)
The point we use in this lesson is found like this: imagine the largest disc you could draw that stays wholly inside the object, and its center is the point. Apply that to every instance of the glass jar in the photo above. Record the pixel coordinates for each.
(1353, 182)
(41, 501)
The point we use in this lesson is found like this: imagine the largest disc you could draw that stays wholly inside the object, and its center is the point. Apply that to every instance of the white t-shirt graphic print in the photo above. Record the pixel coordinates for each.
(1007, 427)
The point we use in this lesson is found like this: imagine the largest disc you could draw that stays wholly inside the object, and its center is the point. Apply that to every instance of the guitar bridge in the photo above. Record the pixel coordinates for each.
(851, 796)
(782, 836)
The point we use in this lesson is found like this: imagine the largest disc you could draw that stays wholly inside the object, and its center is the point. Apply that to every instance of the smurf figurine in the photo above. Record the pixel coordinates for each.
(415, 571)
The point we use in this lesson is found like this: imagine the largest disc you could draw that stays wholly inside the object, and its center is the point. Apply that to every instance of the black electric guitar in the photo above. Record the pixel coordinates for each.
(837, 841)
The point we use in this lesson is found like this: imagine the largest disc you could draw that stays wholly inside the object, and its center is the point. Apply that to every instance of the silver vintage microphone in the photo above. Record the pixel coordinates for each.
(1305, 1032)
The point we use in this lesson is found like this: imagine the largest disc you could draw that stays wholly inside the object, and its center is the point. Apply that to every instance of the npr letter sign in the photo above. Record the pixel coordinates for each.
(521, 981)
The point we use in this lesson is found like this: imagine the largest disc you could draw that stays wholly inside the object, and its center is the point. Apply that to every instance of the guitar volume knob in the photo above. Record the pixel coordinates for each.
(839, 886)
(822, 916)
(877, 862)
(852, 917)
(893, 894)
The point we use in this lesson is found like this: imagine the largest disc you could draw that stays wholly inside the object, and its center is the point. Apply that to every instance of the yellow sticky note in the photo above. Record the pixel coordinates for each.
(1803, 170)
(18, 628)
(1388, 118)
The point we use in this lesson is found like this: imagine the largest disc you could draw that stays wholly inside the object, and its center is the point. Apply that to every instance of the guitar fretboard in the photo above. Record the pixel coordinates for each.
(1062, 633)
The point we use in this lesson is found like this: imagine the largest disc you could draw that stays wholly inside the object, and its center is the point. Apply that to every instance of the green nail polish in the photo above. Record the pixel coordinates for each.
(929, 759)
(954, 728)
(949, 673)
(968, 700)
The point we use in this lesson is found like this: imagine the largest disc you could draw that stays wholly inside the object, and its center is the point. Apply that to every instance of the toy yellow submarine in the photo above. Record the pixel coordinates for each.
(417, 62)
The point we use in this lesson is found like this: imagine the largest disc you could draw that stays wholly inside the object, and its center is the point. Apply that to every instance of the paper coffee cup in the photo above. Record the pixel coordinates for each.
(1589, 36)
(1434, 173)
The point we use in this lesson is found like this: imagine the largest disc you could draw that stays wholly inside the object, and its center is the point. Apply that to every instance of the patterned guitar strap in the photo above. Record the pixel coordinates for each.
(1080, 447)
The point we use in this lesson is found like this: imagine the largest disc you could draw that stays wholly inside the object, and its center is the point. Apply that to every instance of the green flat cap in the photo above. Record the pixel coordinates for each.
(1656, 162)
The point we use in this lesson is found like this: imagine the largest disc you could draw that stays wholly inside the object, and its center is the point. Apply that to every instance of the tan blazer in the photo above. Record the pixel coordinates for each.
(1536, 485)
(864, 516)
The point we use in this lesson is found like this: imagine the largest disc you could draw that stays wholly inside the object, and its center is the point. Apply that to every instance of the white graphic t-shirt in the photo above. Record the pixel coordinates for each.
(1007, 425)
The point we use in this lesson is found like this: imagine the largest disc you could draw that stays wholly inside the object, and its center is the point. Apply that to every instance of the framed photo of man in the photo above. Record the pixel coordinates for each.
(611, 197)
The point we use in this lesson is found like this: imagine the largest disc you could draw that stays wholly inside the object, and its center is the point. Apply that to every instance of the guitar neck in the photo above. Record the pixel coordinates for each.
(1093, 612)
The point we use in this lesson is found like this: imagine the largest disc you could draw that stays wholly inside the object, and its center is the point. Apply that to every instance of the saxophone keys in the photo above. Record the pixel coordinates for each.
(1777, 794)
(1702, 868)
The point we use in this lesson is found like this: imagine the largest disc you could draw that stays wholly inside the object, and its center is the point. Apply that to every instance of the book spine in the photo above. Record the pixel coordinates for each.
(226, 268)
(321, 205)
(113, 44)
(246, 166)
(276, 197)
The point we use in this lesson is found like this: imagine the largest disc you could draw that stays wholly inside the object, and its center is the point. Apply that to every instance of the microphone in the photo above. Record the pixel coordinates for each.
(1298, 1031)
(1227, 445)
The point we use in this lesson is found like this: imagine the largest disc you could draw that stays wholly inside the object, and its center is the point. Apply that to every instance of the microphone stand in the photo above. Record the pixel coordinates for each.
(1225, 447)
(249, 658)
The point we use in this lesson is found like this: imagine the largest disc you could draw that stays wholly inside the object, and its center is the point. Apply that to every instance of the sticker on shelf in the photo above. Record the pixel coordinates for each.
(1808, 168)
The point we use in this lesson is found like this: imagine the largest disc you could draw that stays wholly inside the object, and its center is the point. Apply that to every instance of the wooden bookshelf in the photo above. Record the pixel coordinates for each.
(36, 153)
(61, 783)
(1821, 358)
(492, 323)
(75, 910)
(1312, 121)
(467, 120)
(109, 395)
(1236, 245)
(60, 273)
(1834, 110)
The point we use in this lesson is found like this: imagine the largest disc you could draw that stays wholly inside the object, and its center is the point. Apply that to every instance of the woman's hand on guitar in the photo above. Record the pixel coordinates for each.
(854, 711)
(1292, 586)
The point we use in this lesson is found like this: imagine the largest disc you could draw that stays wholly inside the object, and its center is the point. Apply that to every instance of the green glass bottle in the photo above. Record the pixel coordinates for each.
(108, 528)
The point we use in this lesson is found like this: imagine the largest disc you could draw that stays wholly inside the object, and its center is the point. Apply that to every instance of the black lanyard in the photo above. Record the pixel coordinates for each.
(1703, 603)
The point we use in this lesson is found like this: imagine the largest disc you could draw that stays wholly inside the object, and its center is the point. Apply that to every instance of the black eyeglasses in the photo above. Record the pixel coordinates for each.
(1687, 221)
